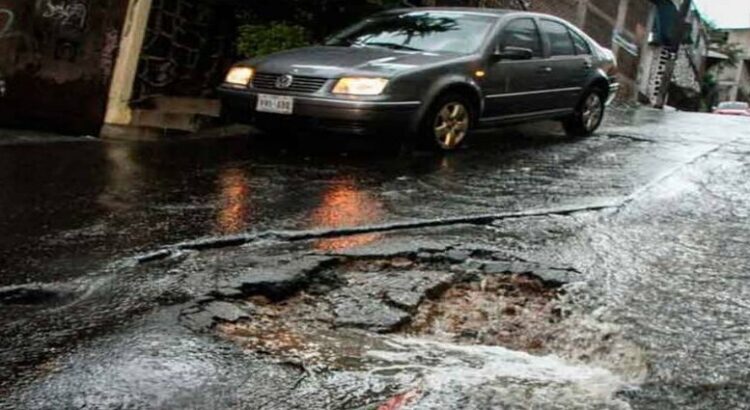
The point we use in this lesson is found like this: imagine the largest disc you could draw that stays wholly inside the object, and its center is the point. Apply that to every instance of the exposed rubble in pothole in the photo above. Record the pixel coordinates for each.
(515, 311)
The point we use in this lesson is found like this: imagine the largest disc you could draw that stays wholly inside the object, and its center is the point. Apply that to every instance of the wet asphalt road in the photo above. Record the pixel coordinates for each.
(71, 206)
(664, 259)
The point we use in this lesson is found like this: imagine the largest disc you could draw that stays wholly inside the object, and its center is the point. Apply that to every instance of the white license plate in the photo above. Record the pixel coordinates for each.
(276, 104)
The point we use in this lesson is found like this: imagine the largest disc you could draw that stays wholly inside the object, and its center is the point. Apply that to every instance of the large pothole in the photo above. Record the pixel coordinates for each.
(439, 329)
(432, 296)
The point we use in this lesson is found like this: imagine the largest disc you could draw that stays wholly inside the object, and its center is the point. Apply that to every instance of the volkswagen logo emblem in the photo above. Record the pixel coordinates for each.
(284, 81)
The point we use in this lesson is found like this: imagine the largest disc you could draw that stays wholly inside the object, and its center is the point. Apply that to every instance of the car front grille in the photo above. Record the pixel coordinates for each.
(300, 84)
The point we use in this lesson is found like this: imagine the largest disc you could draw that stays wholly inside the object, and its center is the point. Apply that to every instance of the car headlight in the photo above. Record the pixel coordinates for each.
(360, 86)
(240, 76)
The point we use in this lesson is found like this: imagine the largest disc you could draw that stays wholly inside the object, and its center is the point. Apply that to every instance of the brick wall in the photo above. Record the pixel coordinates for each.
(599, 29)
(609, 7)
(566, 9)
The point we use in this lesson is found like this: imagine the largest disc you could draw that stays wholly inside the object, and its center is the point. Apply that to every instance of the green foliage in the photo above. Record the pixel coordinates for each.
(257, 40)
(720, 44)
(733, 51)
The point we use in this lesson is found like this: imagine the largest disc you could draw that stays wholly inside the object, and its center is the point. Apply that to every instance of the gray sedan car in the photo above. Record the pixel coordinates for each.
(434, 73)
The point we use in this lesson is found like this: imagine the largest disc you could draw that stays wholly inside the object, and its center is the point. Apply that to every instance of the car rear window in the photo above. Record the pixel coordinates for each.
(582, 46)
(561, 44)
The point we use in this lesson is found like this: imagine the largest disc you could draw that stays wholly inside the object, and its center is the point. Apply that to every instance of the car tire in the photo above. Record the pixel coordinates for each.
(447, 123)
(588, 115)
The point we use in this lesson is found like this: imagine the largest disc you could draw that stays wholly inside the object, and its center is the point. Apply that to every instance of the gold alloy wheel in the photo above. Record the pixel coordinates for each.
(592, 112)
(451, 125)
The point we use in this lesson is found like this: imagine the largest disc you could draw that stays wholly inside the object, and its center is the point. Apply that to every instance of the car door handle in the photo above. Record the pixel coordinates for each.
(545, 70)
(587, 65)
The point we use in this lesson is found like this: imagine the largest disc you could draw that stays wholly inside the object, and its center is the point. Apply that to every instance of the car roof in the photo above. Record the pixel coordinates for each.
(492, 12)
(467, 10)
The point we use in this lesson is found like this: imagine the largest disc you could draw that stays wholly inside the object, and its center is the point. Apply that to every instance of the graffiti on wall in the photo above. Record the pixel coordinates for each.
(7, 18)
(70, 15)
(66, 24)
(68, 49)
(36, 35)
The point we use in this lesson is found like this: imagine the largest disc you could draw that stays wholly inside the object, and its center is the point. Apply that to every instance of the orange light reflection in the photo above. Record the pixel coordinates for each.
(345, 205)
(235, 192)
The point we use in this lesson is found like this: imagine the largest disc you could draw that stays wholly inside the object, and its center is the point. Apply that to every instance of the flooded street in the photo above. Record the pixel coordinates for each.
(529, 270)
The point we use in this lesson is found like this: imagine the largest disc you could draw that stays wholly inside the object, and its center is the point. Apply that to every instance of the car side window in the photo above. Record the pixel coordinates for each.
(561, 44)
(522, 33)
(582, 46)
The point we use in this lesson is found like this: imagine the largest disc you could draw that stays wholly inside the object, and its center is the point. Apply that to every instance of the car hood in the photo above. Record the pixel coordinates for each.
(332, 62)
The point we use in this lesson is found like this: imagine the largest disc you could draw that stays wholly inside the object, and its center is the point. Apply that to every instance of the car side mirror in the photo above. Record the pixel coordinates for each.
(514, 53)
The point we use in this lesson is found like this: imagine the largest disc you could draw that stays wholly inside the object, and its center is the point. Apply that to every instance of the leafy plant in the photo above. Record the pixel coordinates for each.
(733, 51)
(262, 39)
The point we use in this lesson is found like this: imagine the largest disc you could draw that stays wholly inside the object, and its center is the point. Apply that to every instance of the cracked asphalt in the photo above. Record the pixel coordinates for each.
(529, 270)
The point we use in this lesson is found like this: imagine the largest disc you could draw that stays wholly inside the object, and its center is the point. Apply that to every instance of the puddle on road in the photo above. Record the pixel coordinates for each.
(34, 297)
(439, 337)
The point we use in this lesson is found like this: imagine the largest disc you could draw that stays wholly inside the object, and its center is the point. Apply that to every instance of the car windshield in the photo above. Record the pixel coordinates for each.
(436, 32)
(733, 106)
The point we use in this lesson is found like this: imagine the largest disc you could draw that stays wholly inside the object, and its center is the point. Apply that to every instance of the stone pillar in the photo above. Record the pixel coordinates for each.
(121, 89)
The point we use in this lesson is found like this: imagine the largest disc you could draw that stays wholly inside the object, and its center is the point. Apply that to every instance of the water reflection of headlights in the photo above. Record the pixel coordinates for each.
(234, 192)
(345, 205)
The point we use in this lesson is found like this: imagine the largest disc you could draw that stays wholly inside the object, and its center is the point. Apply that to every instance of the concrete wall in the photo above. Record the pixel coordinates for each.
(56, 62)
(735, 81)
(741, 37)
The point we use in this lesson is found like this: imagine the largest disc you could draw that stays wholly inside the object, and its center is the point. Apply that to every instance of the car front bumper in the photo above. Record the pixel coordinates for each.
(340, 115)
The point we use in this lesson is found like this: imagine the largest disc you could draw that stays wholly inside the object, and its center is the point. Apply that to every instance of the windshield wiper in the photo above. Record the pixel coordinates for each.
(392, 46)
